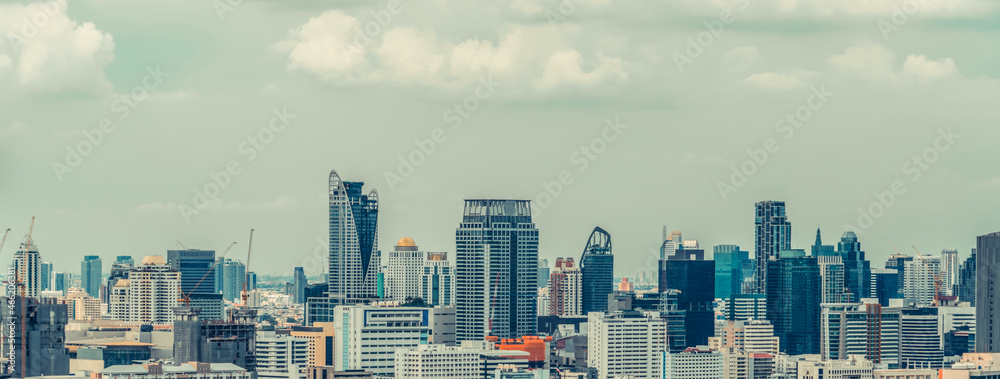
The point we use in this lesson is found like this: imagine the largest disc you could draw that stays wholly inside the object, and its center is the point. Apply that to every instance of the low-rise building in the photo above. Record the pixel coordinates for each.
(191, 370)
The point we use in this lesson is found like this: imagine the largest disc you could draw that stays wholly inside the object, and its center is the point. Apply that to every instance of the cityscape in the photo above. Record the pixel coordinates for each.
(499, 189)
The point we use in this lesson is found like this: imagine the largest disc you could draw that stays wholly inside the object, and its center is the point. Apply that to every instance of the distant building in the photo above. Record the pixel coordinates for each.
(26, 265)
(987, 310)
(229, 277)
(46, 282)
(773, 233)
(868, 330)
(693, 277)
(148, 295)
(280, 355)
(321, 339)
(741, 307)
(196, 268)
(190, 370)
(543, 273)
(949, 271)
(119, 270)
(90, 275)
(857, 269)
(920, 343)
(693, 363)
(62, 281)
(299, 283)
(566, 289)
(43, 329)
(474, 359)
(81, 306)
(919, 279)
(354, 257)
(597, 266)
(734, 270)
(966, 289)
(229, 341)
(885, 285)
(626, 343)
(437, 280)
(402, 270)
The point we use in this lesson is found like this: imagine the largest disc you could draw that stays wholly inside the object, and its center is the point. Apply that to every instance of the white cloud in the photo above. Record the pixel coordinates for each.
(475, 57)
(409, 54)
(779, 81)
(867, 59)
(49, 52)
(924, 70)
(567, 67)
(876, 61)
(329, 45)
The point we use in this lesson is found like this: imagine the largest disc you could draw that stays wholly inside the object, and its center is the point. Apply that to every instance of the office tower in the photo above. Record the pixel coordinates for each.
(920, 344)
(857, 269)
(230, 275)
(90, 275)
(794, 293)
(773, 233)
(354, 259)
(693, 363)
(149, 294)
(734, 270)
(898, 262)
(46, 281)
(688, 272)
(62, 281)
(954, 318)
(755, 336)
(869, 330)
(496, 263)
(437, 280)
(38, 339)
(819, 249)
(230, 341)
(670, 244)
(598, 267)
(566, 289)
(831, 270)
(949, 271)
(740, 307)
(919, 278)
(988, 310)
(280, 355)
(402, 271)
(299, 283)
(321, 340)
(119, 270)
(626, 343)
(369, 336)
(194, 265)
(442, 323)
(543, 273)
(966, 289)
(27, 271)
(80, 305)
(884, 285)
(252, 281)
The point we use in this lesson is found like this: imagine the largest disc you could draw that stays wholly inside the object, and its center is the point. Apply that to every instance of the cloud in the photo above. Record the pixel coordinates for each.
(924, 70)
(779, 81)
(741, 59)
(867, 59)
(476, 57)
(876, 61)
(408, 54)
(567, 67)
(49, 52)
(328, 45)
(16, 129)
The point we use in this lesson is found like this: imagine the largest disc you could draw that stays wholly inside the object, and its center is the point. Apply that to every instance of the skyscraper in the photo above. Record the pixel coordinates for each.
(566, 289)
(898, 262)
(354, 257)
(45, 275)
(62, 281)
(919, 279)
(793, 301)
(90, 275)
(687, 272)
(230, 275)
(949, 271)
(773, 233)
(299, 283)
(987, 289)
(966, 290)
(831, 270)
(437, 280)
(402, 270)
(150, 293)
(496, 263)
(119, 270)
(734, 270)
(543, 273)
(194, 265)
(26, 265)
(598, 267)
(884, 285)
(857, 269)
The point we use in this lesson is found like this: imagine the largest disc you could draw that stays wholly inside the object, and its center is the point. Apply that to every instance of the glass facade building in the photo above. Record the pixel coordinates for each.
(693, 278)
(857, 269)
(90, 275)
(793, 295)
(598, 267)
(734, 271)
(773, 233)
(354, 257)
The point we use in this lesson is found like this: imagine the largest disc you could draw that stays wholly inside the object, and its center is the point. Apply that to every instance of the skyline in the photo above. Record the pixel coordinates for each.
(834, 101)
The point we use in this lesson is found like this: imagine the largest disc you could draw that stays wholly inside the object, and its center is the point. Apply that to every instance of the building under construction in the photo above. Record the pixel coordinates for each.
(230, 341)
(38, 337)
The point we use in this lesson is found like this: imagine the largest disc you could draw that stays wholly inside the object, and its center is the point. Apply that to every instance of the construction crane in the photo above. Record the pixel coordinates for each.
(186, 299)
(4, 239)
(24, 305)
(246, 271)
(181, 245)
(494, 306)
(937, 277)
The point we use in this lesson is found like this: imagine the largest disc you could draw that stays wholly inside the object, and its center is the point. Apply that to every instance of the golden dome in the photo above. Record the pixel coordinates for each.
(406, 241)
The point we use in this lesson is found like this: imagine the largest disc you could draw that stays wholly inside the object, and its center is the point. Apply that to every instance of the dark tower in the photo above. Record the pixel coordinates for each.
(598, 267)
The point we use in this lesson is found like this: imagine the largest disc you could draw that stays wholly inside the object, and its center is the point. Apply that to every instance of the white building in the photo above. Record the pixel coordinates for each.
(191, 370)
(280, 355)
(566, 289)
(26, 265)
(148, 295)
(854, 367)
(744, 307)
(403, 267)
(949, 271)
(472, 360)
(626, 343)
(693, 363)
(918, 279)
(754, 336)
(442, 323)
(852, 328)
(543, 301)
(831, 270)
(950, 318)
(437, 280)
(368, 336)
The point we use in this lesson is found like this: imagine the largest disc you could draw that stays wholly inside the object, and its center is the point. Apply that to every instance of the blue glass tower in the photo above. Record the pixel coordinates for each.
(794, 294)
(90, 275)
(734, 270)
(857, 269)
(598, 267)
(693, 277)
(353, 259)
(773, 233)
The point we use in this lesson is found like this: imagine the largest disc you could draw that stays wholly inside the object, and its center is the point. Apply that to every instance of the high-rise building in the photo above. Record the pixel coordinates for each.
(46, 281)
(194, 265)
(734, 271)
(402, 270)
(148, 295)
(81, 306)
(119, 270)
(966, 289)
(920, 343)
(496, 264)
(597, 263)
(437, 280)
(987, 309)
(368, 336)
(819, 249)
(27, 271)
(566, 289)
(230, 275)
(39, 338)
(755, 336)
(543, 273)
(794, 293)
(949, 271)
(857, 269)
(229, 341)
(740, 307)
(898, 262)
(670, 243)
(773, 233)
(299, 283)
(919, 278)
(693, 363)
(626, 343)
(354, 257)
(688, 272)
(62, 281)
(280, 356)
(869, 330)
(90, 275)
(831, 270)
(321, 339)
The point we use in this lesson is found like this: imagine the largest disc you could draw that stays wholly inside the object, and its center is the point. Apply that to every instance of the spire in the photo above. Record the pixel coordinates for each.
(819, 240)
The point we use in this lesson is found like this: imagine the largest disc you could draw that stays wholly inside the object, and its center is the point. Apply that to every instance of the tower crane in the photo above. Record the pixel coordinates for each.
(187, 298)
(246, 271)
(4, 239)
(24, 305)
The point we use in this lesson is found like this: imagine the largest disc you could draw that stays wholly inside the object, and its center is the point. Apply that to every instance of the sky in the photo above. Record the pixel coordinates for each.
(131, 128)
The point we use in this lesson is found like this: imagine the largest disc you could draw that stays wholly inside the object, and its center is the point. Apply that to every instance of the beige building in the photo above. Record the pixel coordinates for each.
(148, 295)
(81, 306)
(321, 339)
